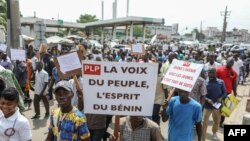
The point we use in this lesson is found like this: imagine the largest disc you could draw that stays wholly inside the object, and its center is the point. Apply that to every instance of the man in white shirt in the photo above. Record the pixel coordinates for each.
(211, 63)
(238, 67)
(41, 82)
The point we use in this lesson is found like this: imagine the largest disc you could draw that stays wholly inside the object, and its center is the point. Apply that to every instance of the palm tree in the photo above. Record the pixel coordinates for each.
(3, 10)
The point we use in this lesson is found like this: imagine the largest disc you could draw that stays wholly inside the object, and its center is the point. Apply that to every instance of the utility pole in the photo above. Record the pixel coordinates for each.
(127, 12)
(13, 24)
(102, 10)
(226, 14)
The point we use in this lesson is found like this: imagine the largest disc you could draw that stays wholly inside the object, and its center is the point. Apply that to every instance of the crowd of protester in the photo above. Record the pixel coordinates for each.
(23, 83)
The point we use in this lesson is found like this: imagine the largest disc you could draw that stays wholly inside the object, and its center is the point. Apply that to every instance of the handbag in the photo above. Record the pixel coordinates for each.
(229, 104)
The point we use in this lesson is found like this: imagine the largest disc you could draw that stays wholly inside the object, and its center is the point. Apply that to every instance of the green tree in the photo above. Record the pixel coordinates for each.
(138, 32)
(3, 13)
(86, 18)
(199, 35)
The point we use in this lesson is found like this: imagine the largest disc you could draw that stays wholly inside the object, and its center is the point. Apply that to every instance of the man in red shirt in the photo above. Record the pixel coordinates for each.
(229, 76)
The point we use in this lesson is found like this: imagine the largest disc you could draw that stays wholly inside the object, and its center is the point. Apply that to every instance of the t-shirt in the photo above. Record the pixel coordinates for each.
(182, 118)
(237, 65)
(70, 126)
(148, 131)
(208, 65)
(199, 89)
(165, 68)
(41, 78)
(228, 76)
(1, 113)
(19, 123)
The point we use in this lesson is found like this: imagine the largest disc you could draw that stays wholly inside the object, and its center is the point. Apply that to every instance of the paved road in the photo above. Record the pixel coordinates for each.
(40, 126)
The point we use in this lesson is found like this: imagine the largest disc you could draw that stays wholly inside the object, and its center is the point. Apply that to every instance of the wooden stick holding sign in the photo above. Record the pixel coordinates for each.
(77, 84)
(117, 127)
(171, 94)
(164, 112)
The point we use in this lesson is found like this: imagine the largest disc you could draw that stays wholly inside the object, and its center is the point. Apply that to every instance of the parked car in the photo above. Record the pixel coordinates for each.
(226, 47)
(121, 46)
(237, 48)
(246, 46)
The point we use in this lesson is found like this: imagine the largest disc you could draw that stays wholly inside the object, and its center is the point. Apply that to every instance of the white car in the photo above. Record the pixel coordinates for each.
(95, 43)
(120, 46)
(246, 46)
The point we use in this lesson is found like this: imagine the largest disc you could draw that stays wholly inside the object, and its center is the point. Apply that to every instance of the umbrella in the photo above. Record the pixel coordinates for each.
(55, 40)
(58, 40)
(73, 37)
(27, 38)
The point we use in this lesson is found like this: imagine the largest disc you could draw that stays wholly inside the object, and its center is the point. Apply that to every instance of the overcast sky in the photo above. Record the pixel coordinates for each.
(188, 13)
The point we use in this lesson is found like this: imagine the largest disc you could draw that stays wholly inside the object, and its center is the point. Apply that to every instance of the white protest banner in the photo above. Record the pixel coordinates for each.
(182, 75)
(187, 51)
(69, 62)
(17, 54)
(174, 48)
(3, 47)
(165, 47)
(137, 48)
(97, 55)
(113, 88)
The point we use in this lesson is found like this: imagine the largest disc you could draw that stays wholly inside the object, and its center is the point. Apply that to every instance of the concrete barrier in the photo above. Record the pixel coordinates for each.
(248, 105)
(246, 119)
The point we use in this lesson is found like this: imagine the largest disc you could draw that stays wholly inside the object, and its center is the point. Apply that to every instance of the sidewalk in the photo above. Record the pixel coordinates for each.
(237, 115)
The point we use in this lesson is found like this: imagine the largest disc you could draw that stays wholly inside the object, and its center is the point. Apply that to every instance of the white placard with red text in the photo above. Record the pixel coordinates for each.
(113, 88)
(182, 75)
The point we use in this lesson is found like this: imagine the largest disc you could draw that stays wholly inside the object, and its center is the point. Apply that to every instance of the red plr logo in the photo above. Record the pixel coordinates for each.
(92, 69)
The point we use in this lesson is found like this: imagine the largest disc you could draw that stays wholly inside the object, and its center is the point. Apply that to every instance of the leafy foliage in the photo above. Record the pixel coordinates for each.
(86, 18)
(3, 13)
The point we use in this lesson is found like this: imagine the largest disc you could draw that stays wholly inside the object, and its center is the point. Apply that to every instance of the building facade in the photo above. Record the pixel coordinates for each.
(164, 30)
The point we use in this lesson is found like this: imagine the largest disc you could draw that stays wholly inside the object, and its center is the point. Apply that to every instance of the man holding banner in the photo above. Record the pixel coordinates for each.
(183, 113)
(67, 122)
